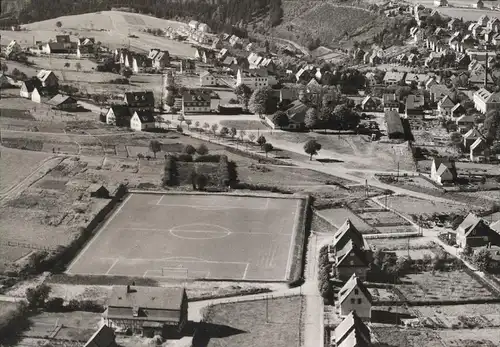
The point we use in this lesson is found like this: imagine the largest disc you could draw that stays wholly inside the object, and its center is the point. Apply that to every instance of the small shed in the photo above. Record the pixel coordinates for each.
(98, 191)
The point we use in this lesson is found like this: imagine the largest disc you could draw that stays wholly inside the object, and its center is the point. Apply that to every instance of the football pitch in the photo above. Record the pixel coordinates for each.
(196, 236)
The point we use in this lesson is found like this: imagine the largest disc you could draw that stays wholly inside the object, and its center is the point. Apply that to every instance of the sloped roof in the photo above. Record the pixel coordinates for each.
(145, 116)
(472, 133)
(60, 99)
(457, 107)
(31, 84)
(350, 285)
(195, 95)
(469, 224)
(350, 323)
(297, 112)
(438, 161)
(479, 141)
(348, 229)
(121, 111)
(351, 247)
(103, 337)
(495, 226)
(394, 123)
(44, 74)
(442, 170)
(354, 340)
(446, 102)
(142, 97)
(394, 76)
(146, 297)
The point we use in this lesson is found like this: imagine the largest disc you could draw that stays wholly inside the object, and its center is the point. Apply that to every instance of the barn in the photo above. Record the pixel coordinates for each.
(147, 310)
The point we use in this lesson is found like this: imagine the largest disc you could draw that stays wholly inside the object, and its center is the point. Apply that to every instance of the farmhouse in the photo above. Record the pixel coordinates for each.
(352, 332)
(354, 296)
(443, 171)
(48, 78)
(196, 101)
(147, 310)
(255, 78)
(28, 86)
(63, 102)
(103, 337)
(142, 120)
(350, 260)
(474, 232)
(369, 104)
(140, 101)
(395, 129)
(347, 233)
(118, 115)
(207, 79)
(477, 149)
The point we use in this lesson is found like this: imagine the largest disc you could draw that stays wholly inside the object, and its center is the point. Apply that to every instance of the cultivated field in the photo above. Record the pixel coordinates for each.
(471, 316)
(453, 285)
(181, 236)
(110, 27)
(337, 217)
(249, 323)
(410, 206)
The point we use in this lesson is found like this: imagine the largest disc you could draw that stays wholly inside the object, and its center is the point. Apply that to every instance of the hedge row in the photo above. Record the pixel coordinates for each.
(324, 271)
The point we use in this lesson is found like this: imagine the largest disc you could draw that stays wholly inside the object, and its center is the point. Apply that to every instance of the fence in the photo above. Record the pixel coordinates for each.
(257, 297)
(26, 245)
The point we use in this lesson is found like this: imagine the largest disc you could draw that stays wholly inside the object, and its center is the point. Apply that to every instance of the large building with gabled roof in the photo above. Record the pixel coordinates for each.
(348, 232)
(474, 232)
(352, 259)
(352, 331)
(354, 296)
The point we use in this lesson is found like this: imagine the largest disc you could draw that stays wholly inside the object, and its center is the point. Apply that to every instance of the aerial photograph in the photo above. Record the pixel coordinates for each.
(250, 173)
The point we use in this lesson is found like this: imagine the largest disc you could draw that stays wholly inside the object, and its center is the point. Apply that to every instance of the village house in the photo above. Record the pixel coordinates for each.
(478, 149)
(63, 102)
(204, 28)
(352, 332)
(207, 79)
(483, 20)
(457, 111)
(438, 91)
(159, 59)
(48, 79)
(369, 104)
(147, 310)
(414, 107)
(479, 4)
(445, 106)
(350, 260)
(235, 41)
(118, 115)
(395, 129)
(430, 82)
(255, 78)
(296, 113)
(480, 79)
(196, 101)
(345, 234)
(465, 123)
(493, 24)
(103, 337)
(390, 102)
(485, 100)
(12, 49)
(454, 24)
(305, 73)
(417, 79)
(142, 120)
(140, 101)
(36, 96)
(188, 66)
(354, 296)
(443, 171)
(474, 232)
(193, 24)
(392, 78)
(27, 87)
(470, 137)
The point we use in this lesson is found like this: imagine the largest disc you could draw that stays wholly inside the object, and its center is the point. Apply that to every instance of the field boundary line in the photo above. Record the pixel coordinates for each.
(212, 207)
(112, 266)
(245, 272)
(230, 194)
(291, 246)
(207, 231)
(99, 232)
(159, 201)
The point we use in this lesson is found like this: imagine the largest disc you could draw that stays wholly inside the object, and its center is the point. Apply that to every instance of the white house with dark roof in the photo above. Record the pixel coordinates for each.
(470, 137)
(255, 78)
(393, 78)
(465, 123)
(352, 332)
(444, 106)
(12, 48)
(354, 296)
(48, 78)
(142, 120)
(443, 171)
(477, 149)
(207, 79)
(474, 232)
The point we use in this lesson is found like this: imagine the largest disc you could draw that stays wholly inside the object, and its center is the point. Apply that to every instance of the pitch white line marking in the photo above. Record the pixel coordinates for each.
(96, 236)
(159, 201)
(246, 270)
(213, 207)
(112, 266)
(290, 250)
(205, 231)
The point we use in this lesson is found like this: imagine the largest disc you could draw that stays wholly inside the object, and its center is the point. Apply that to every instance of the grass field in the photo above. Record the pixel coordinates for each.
(250, 326)
(182, 236)
(453, 285)
(16, 165)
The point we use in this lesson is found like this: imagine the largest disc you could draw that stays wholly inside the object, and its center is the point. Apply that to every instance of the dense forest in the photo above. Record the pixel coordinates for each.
(216, 13)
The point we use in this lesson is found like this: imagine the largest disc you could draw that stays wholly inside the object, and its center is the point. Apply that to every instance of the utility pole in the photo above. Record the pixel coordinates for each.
(397, 177)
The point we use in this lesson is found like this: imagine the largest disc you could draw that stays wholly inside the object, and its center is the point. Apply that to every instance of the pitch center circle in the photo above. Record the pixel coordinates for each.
(200, 231)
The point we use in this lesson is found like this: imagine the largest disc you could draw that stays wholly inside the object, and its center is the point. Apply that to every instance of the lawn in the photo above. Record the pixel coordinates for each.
(257, 323)
(452, 285)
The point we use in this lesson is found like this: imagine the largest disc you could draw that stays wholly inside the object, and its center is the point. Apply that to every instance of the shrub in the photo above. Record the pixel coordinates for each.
(54, 304)
(170, 175)
(201, 181)
(209, 158)
(37, 296)
(119, 81)
(202, 149)
(223, 171)
(189, 149)
(185, 157)
(179, 129)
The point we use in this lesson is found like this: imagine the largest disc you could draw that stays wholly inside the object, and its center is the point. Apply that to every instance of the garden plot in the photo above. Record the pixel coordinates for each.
(470, 316)
(415, 243)
(410, 206)
(383, 219)
(415, 254)
(360, 206)
(383, 294)
(440, 286)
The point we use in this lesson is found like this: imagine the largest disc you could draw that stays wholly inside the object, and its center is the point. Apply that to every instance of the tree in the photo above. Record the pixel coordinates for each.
(243, 92)
(78, 66)
(311, 118)
(168, 123)
(233, 132)
(202, 149)
(251, 137)
(261, 140)
(170, 175)
(206, 126)
(126, 72)
(482, 259)
(181, 119)
(58, 24)
(189, 149)
(214, 128)
(345, 117)
(267, 147)
(188, 122)
(312, 147)
(224, 131)
(5, 68)
(19, 75)
(241, 135)
(197, 124)
(280, 119)
(201, 181)
(37, 296)
(260, 101)
(492, 126)
(154, 146)
(67, 65)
